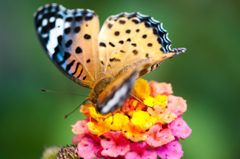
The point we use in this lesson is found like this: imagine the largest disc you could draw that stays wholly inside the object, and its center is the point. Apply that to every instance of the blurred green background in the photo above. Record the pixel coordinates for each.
(207, 75)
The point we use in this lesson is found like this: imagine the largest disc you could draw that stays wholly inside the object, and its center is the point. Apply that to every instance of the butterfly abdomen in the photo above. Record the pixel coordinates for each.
(116, 93)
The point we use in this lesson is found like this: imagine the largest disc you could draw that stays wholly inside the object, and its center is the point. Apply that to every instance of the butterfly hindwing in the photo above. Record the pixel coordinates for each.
(132, 39)
(69, 37)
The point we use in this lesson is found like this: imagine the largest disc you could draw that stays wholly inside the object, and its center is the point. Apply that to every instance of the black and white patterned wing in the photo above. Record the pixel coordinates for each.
(70, 37)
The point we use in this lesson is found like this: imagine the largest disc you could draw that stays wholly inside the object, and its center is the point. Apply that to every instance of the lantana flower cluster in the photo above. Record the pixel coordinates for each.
(142, 128)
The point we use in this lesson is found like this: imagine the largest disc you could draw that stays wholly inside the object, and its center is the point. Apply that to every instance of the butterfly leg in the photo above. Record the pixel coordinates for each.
(140, 101)
(112, 118)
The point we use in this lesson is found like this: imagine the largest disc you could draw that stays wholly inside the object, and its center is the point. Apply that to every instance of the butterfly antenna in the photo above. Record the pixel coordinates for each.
(45, 90)
(141, 101)
(65, 116)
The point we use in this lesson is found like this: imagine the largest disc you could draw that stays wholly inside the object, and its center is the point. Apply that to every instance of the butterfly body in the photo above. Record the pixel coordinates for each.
(128, 46)
(98, 88)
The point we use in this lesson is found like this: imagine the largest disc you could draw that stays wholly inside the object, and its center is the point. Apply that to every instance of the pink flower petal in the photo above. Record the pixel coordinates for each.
(158, 136)
(115, 144)
(172, 150)
(176, 104)
(160, 88)
(88, 147)
(180, 128)
(77, 138)
(119, 157)
(80, 127)
(140, 151)
(135, 146)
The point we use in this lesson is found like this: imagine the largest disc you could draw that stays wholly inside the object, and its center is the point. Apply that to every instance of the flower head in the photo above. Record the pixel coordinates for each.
(70, 152)
(144, 127)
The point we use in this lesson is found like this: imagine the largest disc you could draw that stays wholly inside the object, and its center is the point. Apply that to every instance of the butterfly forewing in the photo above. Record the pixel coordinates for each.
(132, 39)
(70, 39)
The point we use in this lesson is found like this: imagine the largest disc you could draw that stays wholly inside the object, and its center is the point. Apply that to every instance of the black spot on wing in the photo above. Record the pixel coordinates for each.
(69, 43)
(110, 43)
(135, 21)
(60, 39)
(135, 52)
(69, 19)
(102, 44)
(78, 50)
(77, 29)
(78, 18)
(117, 33)
(134, 44)
(122, 21)
(114, 60)
(88, 17)
(110, 26)
(147, 55)
(121, 41)
(149, 44)
(87, 36)
(76, 69)
(128, 31)
(70, 65)
(67, 30)
(122, 51)
(80, 73)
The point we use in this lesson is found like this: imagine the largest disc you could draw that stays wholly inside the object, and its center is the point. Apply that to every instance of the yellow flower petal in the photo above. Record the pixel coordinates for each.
(141, 88)
(161, 100)
(134, 103)
(149, 101)
(142, 119)
(98, 128)
(117, 121)
(134, 132)
(97, 116)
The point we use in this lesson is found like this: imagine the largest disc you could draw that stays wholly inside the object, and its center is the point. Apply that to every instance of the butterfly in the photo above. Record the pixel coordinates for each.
(108, 61)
